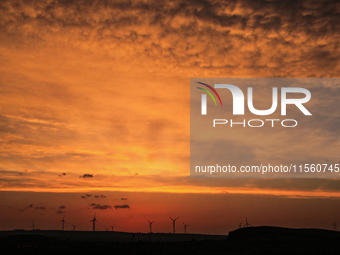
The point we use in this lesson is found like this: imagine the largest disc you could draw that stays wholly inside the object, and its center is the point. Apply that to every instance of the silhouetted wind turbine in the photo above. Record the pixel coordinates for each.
(94, 222)
(106, 229)
(247, 224)
(63, 221)
(33, 225)
(185, 228)
(74, 227)
(174, 223)
(112, 227)
(240, 226)
(151, 225)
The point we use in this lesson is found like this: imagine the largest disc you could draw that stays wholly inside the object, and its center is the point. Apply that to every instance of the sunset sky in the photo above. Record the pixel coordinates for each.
(95, 101)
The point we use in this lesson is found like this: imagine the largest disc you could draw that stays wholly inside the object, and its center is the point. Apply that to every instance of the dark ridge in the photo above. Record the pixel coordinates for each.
(252, 240)
(276, 240)
(39, 240)
(273, 233)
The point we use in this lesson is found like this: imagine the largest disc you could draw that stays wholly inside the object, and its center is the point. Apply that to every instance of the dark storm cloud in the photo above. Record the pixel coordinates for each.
(122, 207)
(62, 207)
(102, 207)
(93, 204)
(99, 196)
(59, 212)
(200, 34)
(87, 176)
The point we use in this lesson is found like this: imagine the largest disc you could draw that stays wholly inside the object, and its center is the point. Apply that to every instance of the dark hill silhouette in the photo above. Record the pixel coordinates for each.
(252, 240)
(31, 242)
(273, 233)
(277, 240)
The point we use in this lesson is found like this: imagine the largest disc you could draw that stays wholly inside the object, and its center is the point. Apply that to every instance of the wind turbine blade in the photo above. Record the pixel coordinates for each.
(171, 218)
(177, 218)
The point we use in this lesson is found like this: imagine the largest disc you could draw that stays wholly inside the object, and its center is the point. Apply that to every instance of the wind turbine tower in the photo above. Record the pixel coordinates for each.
(150, 222)
(247, 224)
(63, 221)
(74, 227)
(33, 225)
(174, 224)
(185, 228)
(94, 222)
(112, 227)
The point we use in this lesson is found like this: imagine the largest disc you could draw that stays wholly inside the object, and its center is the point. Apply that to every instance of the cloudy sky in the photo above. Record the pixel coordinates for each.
(94, 99)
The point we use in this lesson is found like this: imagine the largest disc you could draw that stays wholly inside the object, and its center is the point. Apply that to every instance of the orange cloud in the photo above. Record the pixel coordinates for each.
(104, 89)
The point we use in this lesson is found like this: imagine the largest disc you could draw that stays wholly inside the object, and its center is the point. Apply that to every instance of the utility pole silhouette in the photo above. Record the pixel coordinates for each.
(63, 221)
(174, 224)
(33, 225)
(112, 227)
(94, 222)
(151, 225)
(247, 224)
(185, 228)
(74, 227)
